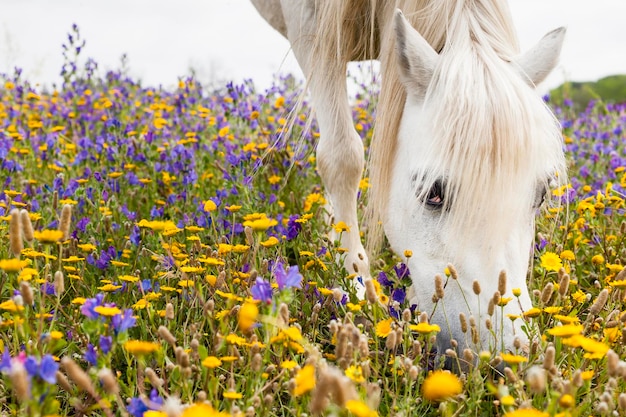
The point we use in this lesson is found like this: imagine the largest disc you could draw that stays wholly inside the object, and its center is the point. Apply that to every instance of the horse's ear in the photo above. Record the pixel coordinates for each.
(416, 58)
(541, 59)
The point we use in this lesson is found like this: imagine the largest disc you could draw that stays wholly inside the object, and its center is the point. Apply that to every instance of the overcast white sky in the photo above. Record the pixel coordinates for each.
(228, 40)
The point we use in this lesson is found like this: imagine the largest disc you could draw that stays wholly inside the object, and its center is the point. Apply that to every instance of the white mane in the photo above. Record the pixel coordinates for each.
(493, 135)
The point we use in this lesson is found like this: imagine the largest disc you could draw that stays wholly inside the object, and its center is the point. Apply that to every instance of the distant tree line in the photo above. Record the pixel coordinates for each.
(611, 89)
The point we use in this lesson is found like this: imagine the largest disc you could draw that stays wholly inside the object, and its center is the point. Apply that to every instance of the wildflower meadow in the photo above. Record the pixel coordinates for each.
(166, 252)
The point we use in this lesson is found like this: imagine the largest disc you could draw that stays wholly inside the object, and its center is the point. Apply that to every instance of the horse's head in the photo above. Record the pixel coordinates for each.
(476, 151)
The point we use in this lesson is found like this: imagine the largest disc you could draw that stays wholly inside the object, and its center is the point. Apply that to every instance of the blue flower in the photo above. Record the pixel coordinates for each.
(90, 355)
(384, 280)
(137, 407)
(106, 342)
(48, 368)
(90, 304)
(124, 321)
(287, 279)
(402, 270)
(261, 290)
(398, 295)
(5, 362)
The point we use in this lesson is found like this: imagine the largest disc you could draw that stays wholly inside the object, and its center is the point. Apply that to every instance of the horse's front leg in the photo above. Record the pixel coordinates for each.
(340, 158)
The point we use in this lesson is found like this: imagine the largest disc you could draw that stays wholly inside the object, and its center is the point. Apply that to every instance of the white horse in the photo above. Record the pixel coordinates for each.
(463, 150)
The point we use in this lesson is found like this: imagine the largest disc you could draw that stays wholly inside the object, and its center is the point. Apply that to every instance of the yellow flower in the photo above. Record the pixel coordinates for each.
(513, 359)
(566, 330)
(425, 328)
(86, 247)
(272, 241)
(157, 225)
(203, 410)
(594, 349)
(293, 333)
(109, 287)
(507, 401)
(210, 205)
(107, 311)
(612, 334)
(526, 412)
(154, 413)
(441, 385)
(186, 283)
(355, 373)
(232, 395)
(247, 316)
(533, 312)
(341, 227)
(48, 235)
(192, 269)
(141, 304)
(211, 261)
(240, 248)
(550, 261)
(597, 260)
(566, 401)
(128, 278)
(73, 258)
(10, 305)
(211, 362)
(567, 255)
(274, 179)
(566, 319)
(353, 307)
(383, 328)
(579, 296)
(288, 364)
(159, 123)
(260, 224)
(12, 265)
(280, 102)
(360, 409)
(305, 380)
(587, 375)
(56, 335)
(140, 347)
(619, 284)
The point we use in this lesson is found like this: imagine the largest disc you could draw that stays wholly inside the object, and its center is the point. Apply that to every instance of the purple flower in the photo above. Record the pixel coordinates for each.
(287, 279)
(402, 270)
(48, 368)
(90, 304)
(293, 227)
(384, 280)
(90, 355)
(31, 366)
(137, 407)
(45, 369)
(261, 290)
(135, 236)
(124, 321)
(106, 342)
(398, 295)
(5, 362)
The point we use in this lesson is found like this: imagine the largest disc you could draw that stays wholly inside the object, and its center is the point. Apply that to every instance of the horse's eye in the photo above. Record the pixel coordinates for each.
(435, 197)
